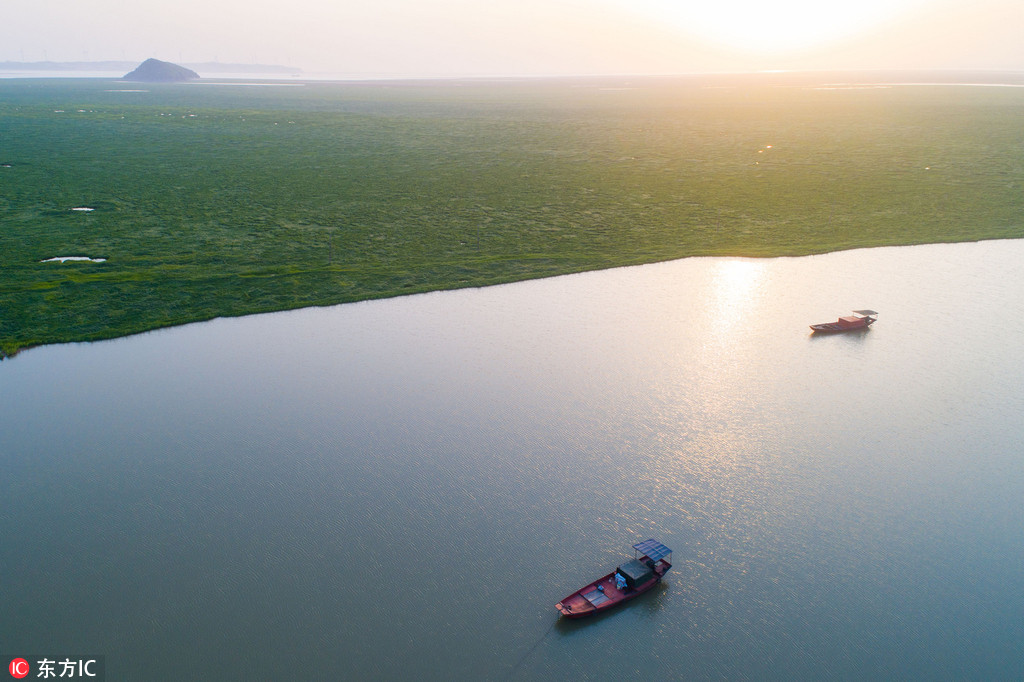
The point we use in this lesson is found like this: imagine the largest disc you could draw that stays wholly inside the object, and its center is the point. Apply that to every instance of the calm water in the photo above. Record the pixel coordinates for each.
(403, 489)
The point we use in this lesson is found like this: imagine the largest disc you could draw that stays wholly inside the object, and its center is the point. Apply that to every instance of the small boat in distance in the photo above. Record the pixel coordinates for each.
(649, 565)
(861, 319)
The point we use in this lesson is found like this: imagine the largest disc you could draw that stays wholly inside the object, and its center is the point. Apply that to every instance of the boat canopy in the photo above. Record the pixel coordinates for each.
(635, 572)
(652, 549)
(866, 313)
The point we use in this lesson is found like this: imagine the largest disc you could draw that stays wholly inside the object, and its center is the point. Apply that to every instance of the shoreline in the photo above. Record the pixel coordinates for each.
(8, 352)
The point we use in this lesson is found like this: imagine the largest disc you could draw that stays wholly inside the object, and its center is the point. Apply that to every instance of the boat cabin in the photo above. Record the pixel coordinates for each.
(650, 555)
(635, 573)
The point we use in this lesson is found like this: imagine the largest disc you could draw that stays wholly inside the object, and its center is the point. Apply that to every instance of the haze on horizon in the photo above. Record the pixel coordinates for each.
(442, 38)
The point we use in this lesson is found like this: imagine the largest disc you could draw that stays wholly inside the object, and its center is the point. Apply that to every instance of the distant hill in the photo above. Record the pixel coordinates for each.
(156, 71)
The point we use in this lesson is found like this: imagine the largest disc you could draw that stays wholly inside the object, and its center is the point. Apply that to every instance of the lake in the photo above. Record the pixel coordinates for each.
(404, 488)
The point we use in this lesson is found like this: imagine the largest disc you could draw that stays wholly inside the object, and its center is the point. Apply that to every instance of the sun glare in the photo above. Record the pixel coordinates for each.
(736, 289)
(778, 26)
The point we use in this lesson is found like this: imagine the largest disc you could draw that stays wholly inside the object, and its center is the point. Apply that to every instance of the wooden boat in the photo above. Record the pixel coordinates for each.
(861, 319)
(649, 565)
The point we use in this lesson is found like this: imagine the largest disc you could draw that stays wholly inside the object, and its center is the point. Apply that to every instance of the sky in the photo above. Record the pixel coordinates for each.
(456, 38)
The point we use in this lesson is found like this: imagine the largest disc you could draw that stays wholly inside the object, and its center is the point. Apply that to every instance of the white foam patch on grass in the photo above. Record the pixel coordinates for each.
(63, 259)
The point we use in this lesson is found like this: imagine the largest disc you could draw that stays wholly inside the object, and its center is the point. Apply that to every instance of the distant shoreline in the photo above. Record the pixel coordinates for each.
(104, 69)
(123, 67)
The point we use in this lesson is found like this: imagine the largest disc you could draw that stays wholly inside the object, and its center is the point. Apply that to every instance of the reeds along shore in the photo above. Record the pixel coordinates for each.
(214, 201)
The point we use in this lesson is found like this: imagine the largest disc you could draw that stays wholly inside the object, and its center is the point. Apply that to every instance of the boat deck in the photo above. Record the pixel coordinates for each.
(590, 597)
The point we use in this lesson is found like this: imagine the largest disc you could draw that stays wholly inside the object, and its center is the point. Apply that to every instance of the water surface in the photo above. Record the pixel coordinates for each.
(404, 488)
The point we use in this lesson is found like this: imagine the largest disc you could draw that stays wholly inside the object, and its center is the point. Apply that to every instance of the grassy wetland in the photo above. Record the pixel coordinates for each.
(211, 200)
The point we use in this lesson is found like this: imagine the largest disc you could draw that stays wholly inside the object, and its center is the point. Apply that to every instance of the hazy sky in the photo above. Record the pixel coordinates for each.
(523, 37)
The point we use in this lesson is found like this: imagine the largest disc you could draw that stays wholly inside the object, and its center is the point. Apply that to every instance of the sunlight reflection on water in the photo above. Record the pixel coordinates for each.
(737, 290)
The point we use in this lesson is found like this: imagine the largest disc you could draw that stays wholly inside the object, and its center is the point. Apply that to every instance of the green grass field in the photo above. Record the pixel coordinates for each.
(214, 200)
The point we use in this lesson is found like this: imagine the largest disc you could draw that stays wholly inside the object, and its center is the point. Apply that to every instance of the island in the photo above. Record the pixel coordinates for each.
(156, 71)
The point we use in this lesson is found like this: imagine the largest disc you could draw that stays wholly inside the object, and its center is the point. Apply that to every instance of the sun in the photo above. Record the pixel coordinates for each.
(773, 26)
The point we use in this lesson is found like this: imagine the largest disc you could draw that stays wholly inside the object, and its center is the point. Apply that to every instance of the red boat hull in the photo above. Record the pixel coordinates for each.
(842, 325)
(576, 605)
